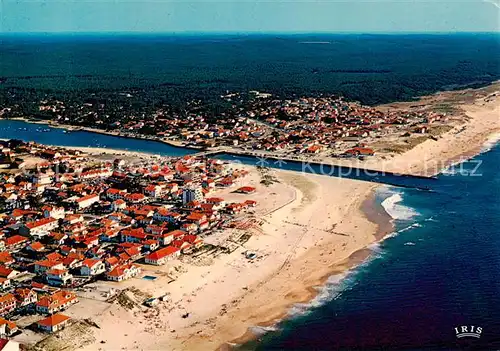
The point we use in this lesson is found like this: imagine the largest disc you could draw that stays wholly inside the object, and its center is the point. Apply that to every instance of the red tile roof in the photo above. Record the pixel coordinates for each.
(40, 222)
(159, 254)
(53, 320)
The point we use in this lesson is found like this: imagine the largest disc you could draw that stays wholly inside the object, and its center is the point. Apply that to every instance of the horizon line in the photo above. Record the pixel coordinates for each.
(207, 33)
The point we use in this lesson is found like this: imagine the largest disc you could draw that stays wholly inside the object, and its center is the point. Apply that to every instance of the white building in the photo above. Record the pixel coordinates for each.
(53, 211)
(59, 277)
(40, 227)
(87, 201)
(92, 267)
(192, 193)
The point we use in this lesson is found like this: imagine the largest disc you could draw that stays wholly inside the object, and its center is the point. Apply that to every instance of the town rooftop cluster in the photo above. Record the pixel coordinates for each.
(71, 220)
(326, 125)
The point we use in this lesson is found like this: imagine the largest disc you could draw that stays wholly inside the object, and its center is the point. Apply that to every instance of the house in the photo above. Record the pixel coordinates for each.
(161, 256)
(153, 191)
(7, 328)
(234, 208)
(25, 296)
(7, 273)
(246, 190)
(115, 194)
(167, 238)
(119, 205)
(218, 202)
(250, 203)
(53, 323)
(7, 303)
(314, 149)
(196, 217)
(58, 277)
(123, 272)
(111, 263)
(150, 244)
(44, 266)
(53, 211)
(359, 151)
(92, 267)
(54, 256)
(15, 242)
(87, 201)
(6, 258)
(133, 235)
(40, 227)
(73, 218)
(164, 215)
(56, 302)
(135, 198)
(4, 283)
(35, 246)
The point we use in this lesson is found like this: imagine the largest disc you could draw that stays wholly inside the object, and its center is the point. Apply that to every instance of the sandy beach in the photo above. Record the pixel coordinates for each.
(310, 228)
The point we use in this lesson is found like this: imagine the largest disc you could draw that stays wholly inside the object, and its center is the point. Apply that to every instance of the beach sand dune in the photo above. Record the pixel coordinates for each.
(312, 226)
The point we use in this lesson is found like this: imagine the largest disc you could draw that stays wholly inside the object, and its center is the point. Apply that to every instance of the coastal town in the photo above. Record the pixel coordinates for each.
(114, 249)
(69, 220)
(255, 122)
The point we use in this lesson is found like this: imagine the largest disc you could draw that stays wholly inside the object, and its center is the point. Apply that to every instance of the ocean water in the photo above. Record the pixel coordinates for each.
(438, 270)
(369, 68)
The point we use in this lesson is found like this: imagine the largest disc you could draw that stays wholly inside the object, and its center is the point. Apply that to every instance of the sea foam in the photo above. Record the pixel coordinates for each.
(490, 142)
(395, 210)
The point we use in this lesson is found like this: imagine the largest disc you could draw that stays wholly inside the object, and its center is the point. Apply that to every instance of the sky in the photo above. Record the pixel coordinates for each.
(178, 16)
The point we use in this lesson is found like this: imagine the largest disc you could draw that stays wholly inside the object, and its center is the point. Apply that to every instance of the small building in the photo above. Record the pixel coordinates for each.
(86, 201)
(56, 302)
(44, 266)
(53, 323)
(161, 256)
(7, 328)
(246, 190)
(92, 267)
(58, 277)
(123, 272)
(44, 225)
(25, 297)
(7, 303)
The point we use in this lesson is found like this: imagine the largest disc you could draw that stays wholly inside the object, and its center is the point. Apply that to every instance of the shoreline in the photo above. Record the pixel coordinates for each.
(376, 214)
(386, 163)
(73, 128)
(292, 274)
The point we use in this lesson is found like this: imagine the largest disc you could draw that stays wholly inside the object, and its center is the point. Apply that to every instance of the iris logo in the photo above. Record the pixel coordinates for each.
(468, 331)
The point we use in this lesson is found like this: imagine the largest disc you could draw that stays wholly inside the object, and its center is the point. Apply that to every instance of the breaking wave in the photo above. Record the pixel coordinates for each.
(258, 330)
(395, 210)
(490, 142)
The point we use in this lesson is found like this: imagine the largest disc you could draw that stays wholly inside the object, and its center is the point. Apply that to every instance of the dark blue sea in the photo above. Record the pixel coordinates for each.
(439, 269)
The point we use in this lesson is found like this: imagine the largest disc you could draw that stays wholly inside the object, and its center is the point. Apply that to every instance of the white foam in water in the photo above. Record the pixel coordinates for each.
(330, 290)
(490, 142)
(257, 330)
(395, 210)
